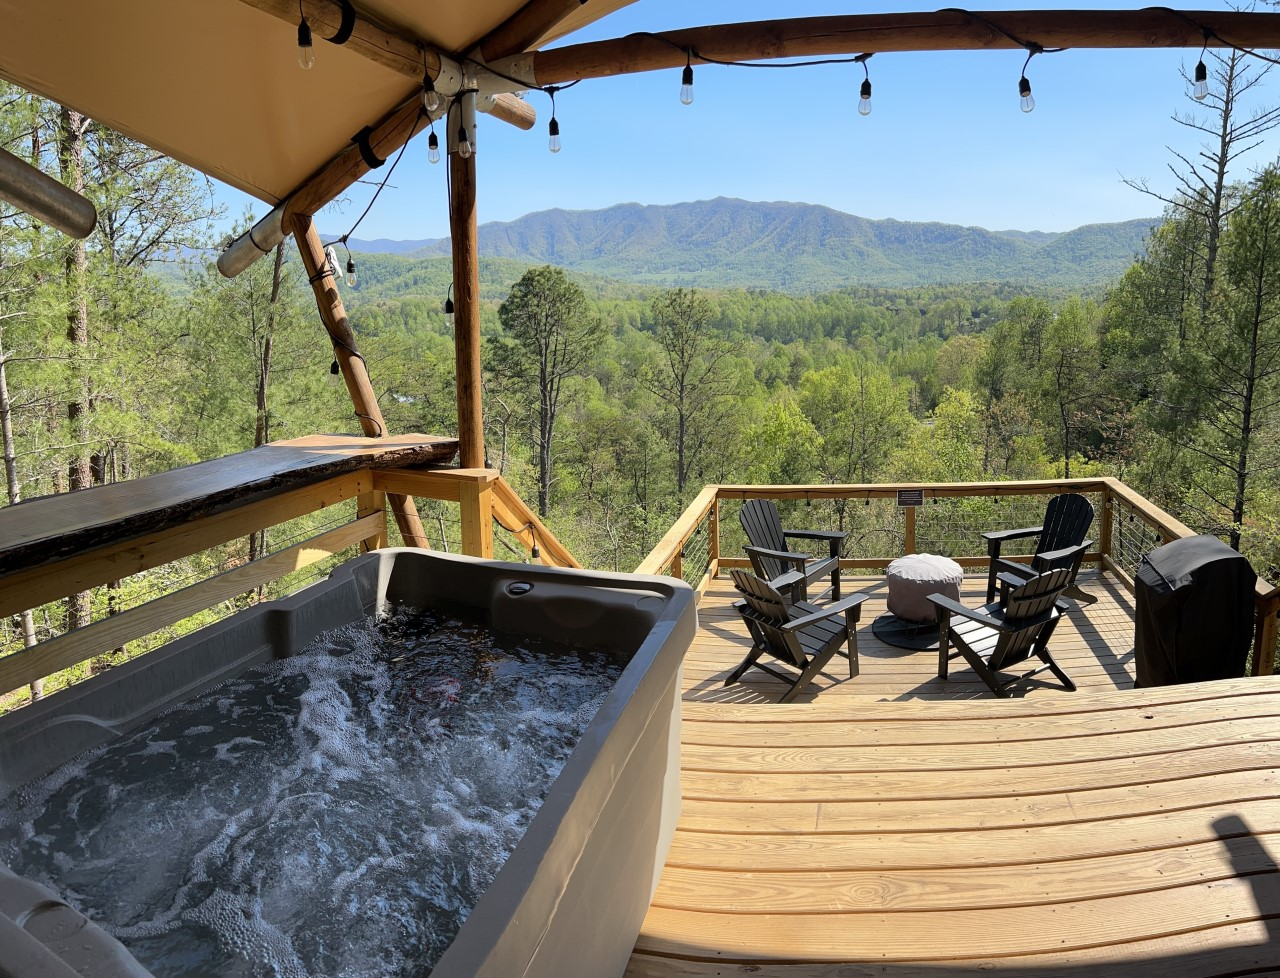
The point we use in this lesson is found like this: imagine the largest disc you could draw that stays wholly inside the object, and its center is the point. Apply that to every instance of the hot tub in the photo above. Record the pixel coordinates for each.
(571, 896)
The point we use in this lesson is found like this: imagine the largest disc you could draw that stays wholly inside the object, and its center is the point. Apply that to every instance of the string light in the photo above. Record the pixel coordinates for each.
(306, 50)
(1026, 102)
(351, 264)
(1200, 91)
(686, 78)
(335, 373)
(433, 148)
(464, 143)
(864, 94)
(448, 307)
(553, 127)
(431, 100)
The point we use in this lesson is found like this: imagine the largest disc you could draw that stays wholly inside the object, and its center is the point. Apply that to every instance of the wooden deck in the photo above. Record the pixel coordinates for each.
(876, 829)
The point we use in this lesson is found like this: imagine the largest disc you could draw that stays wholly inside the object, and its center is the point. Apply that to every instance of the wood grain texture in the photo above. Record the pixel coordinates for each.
(67, 650)
(45, 529)
(896, 826)
(943, 30)
(466, 298)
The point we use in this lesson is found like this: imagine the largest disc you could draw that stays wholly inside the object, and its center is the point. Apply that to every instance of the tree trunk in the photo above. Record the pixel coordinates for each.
(15, 496)
(71, 132)
(1218, 187)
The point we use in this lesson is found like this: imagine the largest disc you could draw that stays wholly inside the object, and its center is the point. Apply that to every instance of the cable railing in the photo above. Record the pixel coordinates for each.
(886, 521)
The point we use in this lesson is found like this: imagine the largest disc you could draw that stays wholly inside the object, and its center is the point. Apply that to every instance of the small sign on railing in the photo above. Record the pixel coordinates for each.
(910, 497)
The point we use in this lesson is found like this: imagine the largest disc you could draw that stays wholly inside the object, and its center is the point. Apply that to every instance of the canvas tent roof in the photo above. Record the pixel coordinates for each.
(216, 84)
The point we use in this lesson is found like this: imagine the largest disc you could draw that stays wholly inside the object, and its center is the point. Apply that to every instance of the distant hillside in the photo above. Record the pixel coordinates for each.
(726, 243)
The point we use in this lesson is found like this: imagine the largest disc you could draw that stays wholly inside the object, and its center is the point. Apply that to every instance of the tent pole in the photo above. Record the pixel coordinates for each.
(334, 315)
(466, 296)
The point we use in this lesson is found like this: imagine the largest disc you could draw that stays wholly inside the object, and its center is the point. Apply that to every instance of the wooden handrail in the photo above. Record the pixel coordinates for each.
(514, 515)
(1267, 597)
(673, 541)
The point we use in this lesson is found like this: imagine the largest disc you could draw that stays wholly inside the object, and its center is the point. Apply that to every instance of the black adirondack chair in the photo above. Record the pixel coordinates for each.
(1061, 543)
(799, 635)
(771, 559)
(1007, 632)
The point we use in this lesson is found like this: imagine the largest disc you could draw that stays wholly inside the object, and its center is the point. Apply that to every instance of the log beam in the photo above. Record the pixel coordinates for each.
(334, 315)
(525, 27)
(466, 304)
(405, 55)
(942, 30)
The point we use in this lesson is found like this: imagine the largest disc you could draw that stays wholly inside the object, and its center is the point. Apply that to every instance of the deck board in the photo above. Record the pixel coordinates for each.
(901, 826)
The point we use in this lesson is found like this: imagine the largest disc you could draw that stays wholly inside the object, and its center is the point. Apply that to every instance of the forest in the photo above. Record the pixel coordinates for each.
(608, 404)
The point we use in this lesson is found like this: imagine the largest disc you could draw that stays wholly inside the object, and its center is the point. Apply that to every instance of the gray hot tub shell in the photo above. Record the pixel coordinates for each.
(569, 900)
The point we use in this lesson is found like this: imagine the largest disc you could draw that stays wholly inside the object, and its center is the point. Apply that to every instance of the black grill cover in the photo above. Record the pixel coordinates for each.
(1194, 615)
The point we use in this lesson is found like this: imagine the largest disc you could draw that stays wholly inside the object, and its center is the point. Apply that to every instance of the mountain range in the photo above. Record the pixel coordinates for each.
(729, 243)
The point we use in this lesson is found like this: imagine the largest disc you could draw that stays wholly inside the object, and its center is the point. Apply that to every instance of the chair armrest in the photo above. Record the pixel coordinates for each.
(1016, 578)
(783, 555)
(789, 579)
(816, 534)
(956, 608)
(1063, 557)
(1026, 531)
(853, 601)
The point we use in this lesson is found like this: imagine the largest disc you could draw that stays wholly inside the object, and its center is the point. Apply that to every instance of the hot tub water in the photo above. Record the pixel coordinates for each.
(336, 812)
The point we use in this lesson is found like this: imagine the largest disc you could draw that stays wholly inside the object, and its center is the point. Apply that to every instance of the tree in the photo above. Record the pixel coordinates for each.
(692, 375)
(1203, 181)
(1225, 388)
(1068, 372)
(552, 334)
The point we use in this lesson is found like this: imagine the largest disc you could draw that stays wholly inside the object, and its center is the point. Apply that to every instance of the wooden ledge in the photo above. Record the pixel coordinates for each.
(50, 528)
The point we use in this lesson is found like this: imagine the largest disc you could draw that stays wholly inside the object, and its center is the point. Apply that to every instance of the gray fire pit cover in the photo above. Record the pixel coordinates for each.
(914, 577)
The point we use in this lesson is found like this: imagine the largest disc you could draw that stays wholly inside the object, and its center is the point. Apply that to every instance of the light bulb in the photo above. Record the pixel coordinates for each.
(351, 272)
(306, 52)
(553, 140)
(448, 313)
(1201, 90)
(431, 100)
(864, 98)
(433, 149)
(464, 144)
(335, 374)
(686, 85)
(1026, 103)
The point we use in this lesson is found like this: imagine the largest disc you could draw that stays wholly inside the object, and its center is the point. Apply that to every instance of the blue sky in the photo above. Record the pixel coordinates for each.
(945, 142)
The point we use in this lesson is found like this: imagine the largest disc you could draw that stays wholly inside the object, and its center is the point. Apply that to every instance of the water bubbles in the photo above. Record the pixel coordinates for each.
(337, 812)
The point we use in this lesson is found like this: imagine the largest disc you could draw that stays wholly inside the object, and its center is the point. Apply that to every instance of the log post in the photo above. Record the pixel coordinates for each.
(334, 316)
(909, 530)
(466, 301)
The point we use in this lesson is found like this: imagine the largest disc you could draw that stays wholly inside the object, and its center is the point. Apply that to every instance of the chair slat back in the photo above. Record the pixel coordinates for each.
(769, 611)
(1036, 596)
(1067, 519)
(760, 521)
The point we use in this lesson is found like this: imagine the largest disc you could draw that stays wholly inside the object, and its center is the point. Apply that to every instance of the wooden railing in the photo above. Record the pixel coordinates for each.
(1126, 526)
(117, 550)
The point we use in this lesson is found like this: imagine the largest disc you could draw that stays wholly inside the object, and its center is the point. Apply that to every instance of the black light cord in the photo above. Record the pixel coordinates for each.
(1210, 34)
(381, 186)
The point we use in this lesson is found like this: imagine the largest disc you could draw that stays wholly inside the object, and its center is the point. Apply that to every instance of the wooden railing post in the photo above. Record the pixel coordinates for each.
(1265, 634)
(713, 538)
(371, 504)
(475, 502)
(1104, 533)
(909, 538)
